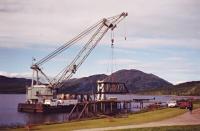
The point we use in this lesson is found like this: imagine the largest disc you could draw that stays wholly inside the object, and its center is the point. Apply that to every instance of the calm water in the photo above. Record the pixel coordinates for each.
(10, 116)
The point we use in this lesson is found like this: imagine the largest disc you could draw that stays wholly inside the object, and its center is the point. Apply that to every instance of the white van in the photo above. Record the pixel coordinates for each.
(172, 103)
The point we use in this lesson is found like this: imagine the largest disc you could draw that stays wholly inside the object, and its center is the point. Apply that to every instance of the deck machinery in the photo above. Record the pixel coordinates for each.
(39, 93)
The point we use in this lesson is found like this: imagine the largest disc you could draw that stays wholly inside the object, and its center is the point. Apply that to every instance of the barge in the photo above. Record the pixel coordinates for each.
(44, 98)
(40, 100)
(42, 108)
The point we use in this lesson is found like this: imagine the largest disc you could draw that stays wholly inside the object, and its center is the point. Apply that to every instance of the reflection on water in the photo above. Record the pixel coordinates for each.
(41, 118)
(9, 115)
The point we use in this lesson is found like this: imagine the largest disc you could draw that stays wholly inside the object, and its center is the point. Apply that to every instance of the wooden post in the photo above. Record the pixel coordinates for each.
(129, 108)
(77, 111)
(104, 107)
(111, 106)
(101, 106)
(94, 105)
(87, 109)
(141, 104)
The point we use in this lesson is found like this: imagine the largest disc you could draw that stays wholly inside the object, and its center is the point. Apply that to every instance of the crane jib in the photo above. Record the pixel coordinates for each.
(99, 29)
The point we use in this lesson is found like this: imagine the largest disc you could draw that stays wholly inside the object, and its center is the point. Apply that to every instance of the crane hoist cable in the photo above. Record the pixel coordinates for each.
(99, 29)
(112, 60)
(125, 32)
(112, 49)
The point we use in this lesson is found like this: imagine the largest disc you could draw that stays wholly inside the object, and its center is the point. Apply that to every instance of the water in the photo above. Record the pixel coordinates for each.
(9, 116)
(135, 106)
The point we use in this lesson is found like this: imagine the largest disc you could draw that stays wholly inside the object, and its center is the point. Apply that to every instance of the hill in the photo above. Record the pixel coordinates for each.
(185, 89)
(13, 85)
(135, 80)
(82, 85)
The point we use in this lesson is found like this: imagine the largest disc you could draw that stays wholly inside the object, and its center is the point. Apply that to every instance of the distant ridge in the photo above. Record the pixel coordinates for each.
(191, 88)
(136, 81)
(186, 88)
(10, 85)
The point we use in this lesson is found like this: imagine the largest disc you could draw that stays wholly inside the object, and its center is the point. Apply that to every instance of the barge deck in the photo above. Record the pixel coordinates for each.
(104, 107)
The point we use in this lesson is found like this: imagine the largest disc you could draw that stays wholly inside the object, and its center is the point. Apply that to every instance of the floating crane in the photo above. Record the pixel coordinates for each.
(38, 92)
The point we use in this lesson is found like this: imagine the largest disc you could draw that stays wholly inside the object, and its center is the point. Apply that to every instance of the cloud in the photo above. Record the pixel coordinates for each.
(49, 22)
(150, 24)
(119, 61)
(141, 43)
(173, 69)
(27, 75)
(17, 75)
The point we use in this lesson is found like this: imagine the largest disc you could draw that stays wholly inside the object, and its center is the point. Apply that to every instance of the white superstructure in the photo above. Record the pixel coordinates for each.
(37, 93)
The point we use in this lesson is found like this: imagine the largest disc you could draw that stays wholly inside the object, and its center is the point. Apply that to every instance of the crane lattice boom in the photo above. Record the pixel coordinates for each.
(99, 29)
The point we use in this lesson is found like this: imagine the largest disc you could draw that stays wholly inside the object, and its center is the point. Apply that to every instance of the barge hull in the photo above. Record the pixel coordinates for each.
(41, 108)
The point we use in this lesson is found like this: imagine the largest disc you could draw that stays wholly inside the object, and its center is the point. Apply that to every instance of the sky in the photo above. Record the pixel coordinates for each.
(163, 36)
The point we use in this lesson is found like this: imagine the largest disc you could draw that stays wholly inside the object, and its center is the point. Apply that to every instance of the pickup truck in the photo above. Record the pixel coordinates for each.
(183, 104)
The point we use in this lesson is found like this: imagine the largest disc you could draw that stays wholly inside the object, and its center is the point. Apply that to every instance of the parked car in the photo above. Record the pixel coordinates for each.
(183, 104)
(172, 103)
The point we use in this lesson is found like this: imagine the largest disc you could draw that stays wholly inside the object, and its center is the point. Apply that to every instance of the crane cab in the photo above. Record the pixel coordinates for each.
(38, 93)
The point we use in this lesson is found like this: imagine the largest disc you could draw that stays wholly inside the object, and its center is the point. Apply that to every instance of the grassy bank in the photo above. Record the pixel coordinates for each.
(131, 119)
(166, 128)
(196, 104)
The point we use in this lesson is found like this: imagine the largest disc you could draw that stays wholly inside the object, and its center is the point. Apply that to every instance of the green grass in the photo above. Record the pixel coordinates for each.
(166, 128)
(196, 104)
(131, 119)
